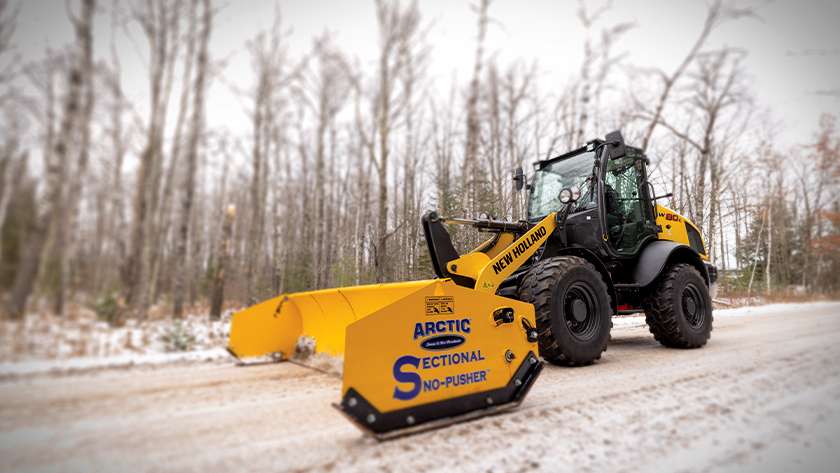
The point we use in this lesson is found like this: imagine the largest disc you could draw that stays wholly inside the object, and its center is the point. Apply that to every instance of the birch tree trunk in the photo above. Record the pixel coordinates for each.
(217, 298)
(196, 127)
(468, 168)
(158, 21)
(56, 174)
(85, 35)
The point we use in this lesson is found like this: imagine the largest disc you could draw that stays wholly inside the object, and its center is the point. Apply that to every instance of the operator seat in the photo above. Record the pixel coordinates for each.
(615, 215)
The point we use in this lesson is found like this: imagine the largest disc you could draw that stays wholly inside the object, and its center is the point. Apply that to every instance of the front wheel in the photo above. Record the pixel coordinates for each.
(572, 308)
(678, 309)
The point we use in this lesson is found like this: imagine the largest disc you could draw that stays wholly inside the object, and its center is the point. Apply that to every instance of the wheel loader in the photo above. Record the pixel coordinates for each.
(472, 341)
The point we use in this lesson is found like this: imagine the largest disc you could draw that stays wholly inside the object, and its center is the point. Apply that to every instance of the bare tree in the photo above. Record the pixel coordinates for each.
(78, 176)
(163, 218)
(468, 168)
(394, 23)
(268, 59)
(8, 25)
(358, 152)
(113, 247)
(223, 255)
(444, 135)
(56, 168)
(717, 88)
(158, 20)
(324, 89)
(716, 14)
(598, 61)
(815, 182)
(196, 128)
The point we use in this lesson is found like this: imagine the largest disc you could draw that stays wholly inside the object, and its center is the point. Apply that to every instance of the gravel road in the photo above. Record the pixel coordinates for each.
(764, 395)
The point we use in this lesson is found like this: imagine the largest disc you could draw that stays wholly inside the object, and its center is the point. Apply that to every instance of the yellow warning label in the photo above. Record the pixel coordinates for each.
(440, 305)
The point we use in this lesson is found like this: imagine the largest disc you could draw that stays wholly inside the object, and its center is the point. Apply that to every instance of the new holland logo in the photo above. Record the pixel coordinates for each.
(536, 235)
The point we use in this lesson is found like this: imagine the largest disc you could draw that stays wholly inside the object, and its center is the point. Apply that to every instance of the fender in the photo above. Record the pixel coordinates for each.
(656, 255)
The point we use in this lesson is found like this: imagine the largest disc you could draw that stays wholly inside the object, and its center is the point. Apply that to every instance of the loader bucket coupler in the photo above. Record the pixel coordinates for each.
(443, 354)
(274, 326)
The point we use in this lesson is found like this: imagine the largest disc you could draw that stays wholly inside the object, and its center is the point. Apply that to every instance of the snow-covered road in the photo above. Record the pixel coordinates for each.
(764, 395)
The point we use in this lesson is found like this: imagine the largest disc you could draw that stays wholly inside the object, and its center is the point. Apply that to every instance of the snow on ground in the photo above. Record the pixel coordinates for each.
(40, 336)
(46, 344)
(74, 365)
(638, 320)
(763, 396)
(775, 309)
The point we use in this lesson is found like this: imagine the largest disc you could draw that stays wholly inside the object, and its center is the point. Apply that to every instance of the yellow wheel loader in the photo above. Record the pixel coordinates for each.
(471, 342)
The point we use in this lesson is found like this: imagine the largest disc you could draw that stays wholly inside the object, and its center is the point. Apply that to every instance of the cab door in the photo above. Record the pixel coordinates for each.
(629, 216)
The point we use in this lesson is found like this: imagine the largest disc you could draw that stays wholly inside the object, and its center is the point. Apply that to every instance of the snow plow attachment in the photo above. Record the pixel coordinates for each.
(273, 327)
(440, 355)
(420, 354)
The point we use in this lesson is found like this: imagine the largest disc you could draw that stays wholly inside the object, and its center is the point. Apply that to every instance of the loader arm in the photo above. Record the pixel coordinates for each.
(485, 267)
(488, 271)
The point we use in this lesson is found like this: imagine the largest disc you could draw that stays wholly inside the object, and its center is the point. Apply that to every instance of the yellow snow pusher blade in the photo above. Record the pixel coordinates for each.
(418, 354)
(439, 355)
(273, 327)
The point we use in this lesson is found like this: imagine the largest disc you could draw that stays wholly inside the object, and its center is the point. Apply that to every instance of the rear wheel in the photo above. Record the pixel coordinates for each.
(572, 307)
(678, 309)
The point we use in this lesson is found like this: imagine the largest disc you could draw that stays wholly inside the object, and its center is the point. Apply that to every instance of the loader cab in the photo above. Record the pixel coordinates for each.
(611, 210)
(628, 211)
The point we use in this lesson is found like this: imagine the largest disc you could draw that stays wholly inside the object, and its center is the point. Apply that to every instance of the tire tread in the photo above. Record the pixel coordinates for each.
(660, 315)
(537, 288)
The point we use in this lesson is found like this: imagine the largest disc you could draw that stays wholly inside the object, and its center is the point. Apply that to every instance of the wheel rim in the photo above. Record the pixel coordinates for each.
(581, 310)
(693, 306)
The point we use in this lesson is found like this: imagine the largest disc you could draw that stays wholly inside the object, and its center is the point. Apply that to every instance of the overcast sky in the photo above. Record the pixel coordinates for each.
(793, 49)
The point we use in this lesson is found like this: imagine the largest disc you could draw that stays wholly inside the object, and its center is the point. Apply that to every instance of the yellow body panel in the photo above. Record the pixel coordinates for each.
(469, 265)
(405, 354)
(496, 245)
(508, 261)
(673, 227)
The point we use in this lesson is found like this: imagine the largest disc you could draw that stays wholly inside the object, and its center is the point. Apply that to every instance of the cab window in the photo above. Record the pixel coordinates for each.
(628, 221)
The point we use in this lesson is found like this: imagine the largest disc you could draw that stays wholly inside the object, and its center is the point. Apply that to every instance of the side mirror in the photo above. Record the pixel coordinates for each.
(615, 145)
(518, 178)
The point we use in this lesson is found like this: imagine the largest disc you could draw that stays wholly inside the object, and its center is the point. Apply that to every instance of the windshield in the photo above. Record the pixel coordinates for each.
(552, 178)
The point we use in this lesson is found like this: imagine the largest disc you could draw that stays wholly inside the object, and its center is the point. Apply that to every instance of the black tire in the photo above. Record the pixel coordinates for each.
(678, 309)
(572, 306)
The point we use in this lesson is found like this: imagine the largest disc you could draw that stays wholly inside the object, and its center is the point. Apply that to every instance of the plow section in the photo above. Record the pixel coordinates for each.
(440, 355)
(273, 327)
(417, 355)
